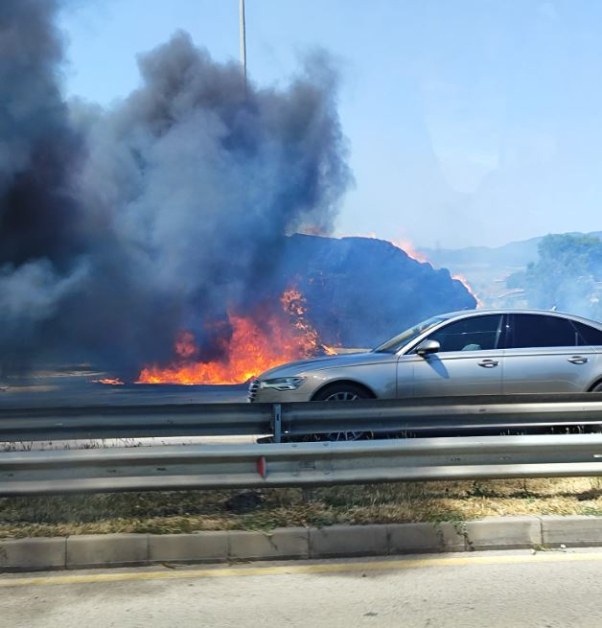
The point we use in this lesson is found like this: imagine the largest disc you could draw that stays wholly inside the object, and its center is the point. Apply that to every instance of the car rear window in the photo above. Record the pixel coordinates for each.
(588, 335)
(536, 330)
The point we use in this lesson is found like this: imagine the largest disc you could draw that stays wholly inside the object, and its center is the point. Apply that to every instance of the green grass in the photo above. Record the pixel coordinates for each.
(190, 511)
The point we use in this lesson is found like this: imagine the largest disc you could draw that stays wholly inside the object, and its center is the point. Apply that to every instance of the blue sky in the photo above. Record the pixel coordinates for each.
(469, 122)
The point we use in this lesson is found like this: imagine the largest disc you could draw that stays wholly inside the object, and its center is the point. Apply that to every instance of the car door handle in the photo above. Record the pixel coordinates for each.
(578, 359)
(488, 364)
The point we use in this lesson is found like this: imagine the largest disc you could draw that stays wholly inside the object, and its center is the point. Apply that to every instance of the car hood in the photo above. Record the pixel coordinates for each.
(292, 369)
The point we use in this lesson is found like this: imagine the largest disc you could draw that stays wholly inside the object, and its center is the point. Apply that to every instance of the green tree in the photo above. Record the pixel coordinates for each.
(564, 276)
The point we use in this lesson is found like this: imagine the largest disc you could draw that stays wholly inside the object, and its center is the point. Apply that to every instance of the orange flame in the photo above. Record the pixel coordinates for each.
(468, 287)
(109, 381)
(405, 245)
(330, 350)
(408, 248)
(251, 348)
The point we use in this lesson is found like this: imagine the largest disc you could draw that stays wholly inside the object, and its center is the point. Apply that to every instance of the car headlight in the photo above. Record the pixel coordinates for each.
(282, 383)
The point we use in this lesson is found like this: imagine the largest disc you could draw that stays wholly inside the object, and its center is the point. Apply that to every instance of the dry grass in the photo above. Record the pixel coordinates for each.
(175, 512)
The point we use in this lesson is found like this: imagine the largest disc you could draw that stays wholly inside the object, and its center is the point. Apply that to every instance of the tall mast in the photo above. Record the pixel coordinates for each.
(243, 41)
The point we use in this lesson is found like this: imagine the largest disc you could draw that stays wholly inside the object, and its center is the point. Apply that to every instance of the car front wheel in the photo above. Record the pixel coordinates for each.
(343, 392)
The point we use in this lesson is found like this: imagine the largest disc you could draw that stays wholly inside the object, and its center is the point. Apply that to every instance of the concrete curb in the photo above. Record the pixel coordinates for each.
(118, 550)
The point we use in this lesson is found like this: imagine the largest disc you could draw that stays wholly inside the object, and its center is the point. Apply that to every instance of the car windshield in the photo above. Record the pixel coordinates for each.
(394, 344)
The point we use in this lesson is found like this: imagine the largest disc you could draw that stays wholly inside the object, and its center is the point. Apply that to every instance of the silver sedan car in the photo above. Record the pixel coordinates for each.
(462, 353)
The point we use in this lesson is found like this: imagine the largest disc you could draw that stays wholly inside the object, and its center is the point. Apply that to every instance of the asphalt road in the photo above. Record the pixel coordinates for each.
(82, 390)
(79, 390)
(505, 589)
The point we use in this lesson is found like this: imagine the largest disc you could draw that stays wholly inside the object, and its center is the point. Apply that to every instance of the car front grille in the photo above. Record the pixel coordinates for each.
(253, 388)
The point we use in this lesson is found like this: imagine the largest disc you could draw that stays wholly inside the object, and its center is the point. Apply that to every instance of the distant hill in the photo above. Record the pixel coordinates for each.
(513, 254)
(487, 268)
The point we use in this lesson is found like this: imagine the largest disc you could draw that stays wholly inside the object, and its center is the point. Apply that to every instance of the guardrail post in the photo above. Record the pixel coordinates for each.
(277, 423)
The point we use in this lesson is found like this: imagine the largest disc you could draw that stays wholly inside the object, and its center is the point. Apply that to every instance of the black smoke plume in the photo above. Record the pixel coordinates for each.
(121, 227)
(42, 228)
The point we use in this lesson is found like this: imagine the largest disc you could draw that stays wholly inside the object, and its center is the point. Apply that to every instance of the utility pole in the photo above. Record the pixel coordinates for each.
(243, 41)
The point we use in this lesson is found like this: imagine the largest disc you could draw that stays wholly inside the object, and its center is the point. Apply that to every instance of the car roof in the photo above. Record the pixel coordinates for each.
(469, 313)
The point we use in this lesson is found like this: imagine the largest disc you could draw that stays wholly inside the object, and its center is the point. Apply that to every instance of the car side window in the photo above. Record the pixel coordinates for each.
(538, 330)
(479, 333)
(588, 335)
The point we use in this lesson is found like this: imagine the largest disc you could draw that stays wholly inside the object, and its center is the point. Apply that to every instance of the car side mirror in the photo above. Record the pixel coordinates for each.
(426, 347)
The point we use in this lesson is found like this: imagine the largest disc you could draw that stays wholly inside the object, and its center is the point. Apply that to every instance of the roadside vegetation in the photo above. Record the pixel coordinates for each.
(190, 511)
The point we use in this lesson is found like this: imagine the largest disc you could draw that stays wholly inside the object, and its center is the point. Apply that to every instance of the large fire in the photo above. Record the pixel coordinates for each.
(252, 347)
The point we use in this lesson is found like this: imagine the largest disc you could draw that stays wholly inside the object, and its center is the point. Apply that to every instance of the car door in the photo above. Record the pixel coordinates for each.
(469, 361)
(546, 353)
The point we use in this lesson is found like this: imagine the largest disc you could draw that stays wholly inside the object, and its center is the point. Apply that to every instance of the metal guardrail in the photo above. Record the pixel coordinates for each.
(129, 421)
(468, 415)
(417, 416)
(299, 464)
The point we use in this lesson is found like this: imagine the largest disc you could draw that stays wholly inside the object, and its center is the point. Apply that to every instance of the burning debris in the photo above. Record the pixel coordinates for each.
(350, 292)
(361, 291)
